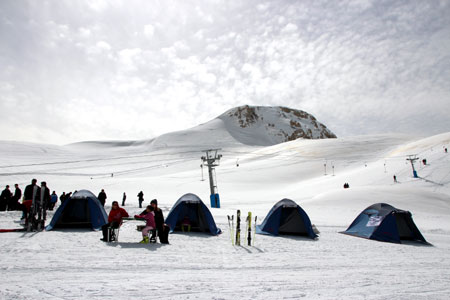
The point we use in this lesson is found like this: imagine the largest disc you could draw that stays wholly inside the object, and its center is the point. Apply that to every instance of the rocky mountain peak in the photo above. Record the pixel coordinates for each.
(273, 125)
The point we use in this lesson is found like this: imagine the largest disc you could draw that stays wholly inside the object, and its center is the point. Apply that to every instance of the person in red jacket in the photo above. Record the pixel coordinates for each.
(114, 219)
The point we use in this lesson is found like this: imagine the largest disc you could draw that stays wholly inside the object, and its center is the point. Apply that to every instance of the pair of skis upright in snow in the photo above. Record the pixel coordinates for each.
(237, 240)
(36, 216)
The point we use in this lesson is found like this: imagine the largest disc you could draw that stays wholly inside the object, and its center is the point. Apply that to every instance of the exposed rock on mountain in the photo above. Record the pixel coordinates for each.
(259, 125)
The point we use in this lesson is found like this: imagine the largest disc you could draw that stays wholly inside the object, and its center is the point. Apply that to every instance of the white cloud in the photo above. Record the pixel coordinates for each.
(149, 30)
(199, 34)
(104, 46)
(204, 16)
(368, 63)
(97, 5)
(129, 58)
(290, 28)
(125, 85)
(262, 6)
(85, 32)
(6, 87)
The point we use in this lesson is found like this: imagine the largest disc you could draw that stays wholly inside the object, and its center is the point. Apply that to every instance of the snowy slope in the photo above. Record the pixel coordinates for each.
(76, 265)
(248, 125)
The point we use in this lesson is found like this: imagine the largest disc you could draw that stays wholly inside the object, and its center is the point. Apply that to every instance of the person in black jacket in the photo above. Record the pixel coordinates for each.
(30, 193)
(44, 200)
(163, 229)
(15, 200)
(102, 197)
(5, 198)
(140, 198)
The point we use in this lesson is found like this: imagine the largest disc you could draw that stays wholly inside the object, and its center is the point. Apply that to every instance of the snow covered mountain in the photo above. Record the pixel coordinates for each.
(248, 125)
(264, 126)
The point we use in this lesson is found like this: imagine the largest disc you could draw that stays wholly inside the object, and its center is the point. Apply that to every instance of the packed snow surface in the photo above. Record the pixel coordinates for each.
(75, 264)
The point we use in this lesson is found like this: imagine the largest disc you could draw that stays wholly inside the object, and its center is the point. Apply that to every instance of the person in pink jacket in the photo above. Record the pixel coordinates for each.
(150, 225)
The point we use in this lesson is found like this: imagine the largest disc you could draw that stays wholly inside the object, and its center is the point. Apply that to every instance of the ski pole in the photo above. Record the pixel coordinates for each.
(249, 229)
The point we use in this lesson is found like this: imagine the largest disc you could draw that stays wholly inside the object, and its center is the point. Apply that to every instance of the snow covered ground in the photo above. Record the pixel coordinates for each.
(74, 264)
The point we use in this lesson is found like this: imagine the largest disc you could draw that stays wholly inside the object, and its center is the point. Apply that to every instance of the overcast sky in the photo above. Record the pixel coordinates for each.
(125, 70)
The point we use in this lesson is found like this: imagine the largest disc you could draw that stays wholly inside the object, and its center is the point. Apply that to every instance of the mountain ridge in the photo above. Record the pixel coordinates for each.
(272, 125)
(248, 125)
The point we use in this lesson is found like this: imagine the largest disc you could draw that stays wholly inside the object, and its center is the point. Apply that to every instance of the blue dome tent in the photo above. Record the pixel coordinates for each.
(82, 210)
(190, 206)
(383, 222)
(286, 218)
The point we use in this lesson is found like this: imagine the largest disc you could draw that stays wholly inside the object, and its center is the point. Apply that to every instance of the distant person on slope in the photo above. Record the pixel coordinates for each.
(124, 198)
(140, 198)
(102, 197)
(114, 219)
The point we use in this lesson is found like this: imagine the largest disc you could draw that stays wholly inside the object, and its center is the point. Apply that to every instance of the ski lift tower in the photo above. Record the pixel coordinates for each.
(212, 159)
(412, 159)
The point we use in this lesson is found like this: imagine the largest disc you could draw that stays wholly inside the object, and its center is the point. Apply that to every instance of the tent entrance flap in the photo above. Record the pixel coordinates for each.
(193, 214)
(76, 215)
(407, 230)
(291, 222)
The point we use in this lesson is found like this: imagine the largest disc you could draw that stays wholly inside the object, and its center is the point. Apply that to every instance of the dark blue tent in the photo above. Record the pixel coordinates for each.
(385, 223)
(82, 210)
(286, 217)
(190, 206)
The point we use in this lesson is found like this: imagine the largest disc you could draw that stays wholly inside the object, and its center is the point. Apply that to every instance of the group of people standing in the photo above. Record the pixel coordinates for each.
(10, 201)
(44, 201)
(102, 198)
(41, 194)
